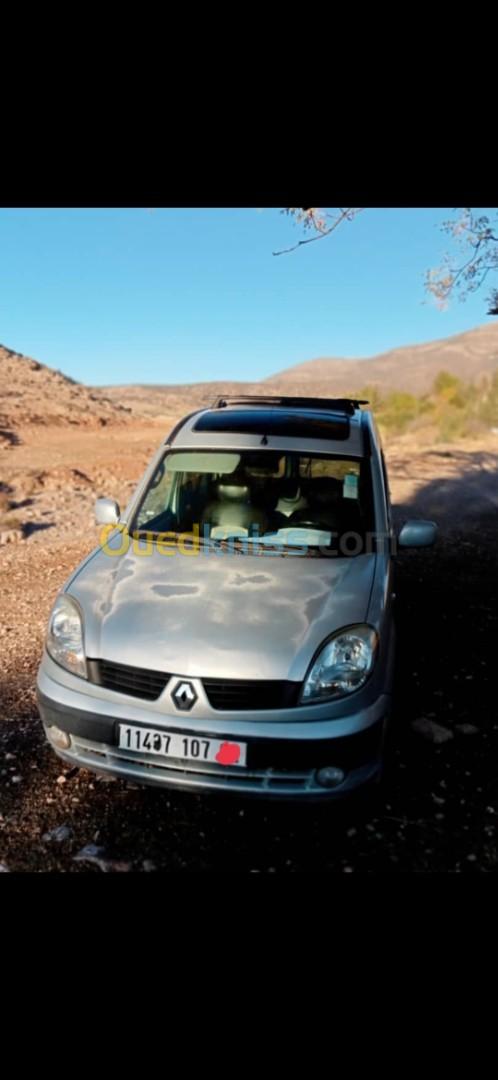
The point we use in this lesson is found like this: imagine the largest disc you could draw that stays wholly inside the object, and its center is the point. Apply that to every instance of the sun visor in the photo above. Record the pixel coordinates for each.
(193, 461)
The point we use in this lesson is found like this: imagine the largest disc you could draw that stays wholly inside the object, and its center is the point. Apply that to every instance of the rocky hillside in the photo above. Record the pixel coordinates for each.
(32, 393)
(36, 394)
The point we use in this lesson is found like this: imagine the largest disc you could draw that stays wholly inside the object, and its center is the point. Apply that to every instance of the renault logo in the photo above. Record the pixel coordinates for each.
(184, 696)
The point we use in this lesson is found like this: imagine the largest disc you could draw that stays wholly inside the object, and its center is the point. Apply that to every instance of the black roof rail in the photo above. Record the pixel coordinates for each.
(346, 405)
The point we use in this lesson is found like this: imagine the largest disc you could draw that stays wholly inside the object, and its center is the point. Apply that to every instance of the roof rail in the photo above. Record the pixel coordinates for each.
(346, 405)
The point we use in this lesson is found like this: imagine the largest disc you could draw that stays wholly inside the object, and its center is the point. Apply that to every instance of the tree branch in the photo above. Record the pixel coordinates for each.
(453, 276)
(344, 215)
(470, 275)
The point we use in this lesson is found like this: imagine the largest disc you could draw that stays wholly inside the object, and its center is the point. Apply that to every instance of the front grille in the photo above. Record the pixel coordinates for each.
(234, 694)
(138, 682)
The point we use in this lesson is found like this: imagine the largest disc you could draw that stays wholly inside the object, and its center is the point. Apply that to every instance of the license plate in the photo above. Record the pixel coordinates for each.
(172, 744)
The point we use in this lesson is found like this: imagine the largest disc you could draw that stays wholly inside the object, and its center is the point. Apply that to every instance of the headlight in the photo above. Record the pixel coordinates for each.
(65, 636)
(342, 665)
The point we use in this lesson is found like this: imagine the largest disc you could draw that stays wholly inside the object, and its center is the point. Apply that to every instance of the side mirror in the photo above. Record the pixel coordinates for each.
(417, 533)
(106, 512)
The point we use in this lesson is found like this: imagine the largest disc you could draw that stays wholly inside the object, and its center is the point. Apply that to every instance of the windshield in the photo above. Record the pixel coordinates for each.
(282, 499)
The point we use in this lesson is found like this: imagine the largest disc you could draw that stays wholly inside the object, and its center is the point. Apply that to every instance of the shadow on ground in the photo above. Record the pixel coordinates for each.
(31, 527)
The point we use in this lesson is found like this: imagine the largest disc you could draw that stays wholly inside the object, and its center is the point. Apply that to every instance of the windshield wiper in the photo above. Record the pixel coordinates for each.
(235, 544)
(253, 546)
(226, 543)
(167, 537)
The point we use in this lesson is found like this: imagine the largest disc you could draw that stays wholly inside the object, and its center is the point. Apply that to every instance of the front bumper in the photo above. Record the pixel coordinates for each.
(282, 757)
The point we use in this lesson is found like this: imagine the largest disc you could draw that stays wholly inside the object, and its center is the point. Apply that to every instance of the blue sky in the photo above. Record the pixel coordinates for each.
(172, 295)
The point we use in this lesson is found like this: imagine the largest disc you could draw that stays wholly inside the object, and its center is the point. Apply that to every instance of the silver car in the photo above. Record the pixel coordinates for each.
(234, 630)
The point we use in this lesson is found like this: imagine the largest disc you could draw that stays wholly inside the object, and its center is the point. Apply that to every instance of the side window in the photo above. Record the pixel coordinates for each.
(312, 468)
(158, 497)
(194, 491)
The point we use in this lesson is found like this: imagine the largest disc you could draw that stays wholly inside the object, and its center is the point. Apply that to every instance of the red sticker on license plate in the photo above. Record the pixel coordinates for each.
(228, 754)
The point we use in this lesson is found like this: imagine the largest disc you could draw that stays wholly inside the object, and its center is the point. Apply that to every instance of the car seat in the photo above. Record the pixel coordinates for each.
(233, 506)
(291, 497)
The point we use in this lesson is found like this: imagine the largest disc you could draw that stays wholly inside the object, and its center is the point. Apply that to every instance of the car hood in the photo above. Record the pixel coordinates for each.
(218, 615)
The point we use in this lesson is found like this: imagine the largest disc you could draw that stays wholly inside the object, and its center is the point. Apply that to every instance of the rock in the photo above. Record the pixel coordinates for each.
(62, 832)
(431, 731)
(11, 536)
(61, 779)
(4, 869)
(97, 855)
(148, 866)
(467, 729)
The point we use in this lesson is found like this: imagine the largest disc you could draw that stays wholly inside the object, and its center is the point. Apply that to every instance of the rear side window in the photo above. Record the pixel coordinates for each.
(321, 466)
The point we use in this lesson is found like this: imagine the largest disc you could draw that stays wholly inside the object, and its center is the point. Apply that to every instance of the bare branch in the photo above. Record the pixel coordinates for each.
(311, 218)
(469, 274)
(460, 273)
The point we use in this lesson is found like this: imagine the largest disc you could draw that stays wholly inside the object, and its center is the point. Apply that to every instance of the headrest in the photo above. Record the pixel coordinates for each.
(234, 488)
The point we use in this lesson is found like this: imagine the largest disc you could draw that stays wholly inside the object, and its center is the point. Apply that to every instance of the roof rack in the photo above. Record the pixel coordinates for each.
(345, 405)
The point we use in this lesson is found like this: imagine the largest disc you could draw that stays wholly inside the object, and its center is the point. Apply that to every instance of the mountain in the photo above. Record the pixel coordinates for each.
(412, 368)
(33, 393)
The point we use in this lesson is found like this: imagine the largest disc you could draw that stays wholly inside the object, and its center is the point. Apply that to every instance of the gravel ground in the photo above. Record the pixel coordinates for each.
(437, 812)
